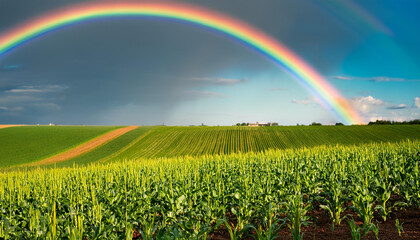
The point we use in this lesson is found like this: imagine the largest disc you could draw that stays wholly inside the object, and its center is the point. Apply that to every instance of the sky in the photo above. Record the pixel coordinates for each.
(132, 71)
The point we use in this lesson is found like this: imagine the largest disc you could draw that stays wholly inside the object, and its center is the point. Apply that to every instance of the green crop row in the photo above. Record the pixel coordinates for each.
(191, 197)
(21, 145)
(196, 141)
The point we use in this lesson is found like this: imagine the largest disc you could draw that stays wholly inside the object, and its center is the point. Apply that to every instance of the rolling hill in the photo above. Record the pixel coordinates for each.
(195, 141)
(26, 144)
(29, 144)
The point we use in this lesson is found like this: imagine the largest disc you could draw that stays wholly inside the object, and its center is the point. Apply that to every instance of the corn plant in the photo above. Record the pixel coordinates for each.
(271, 231)
(296, 214)
(356, 231)
(235, 232)
(375, 229)
(399, 227)
(270, 224)
(363, 206)
(335, 202)
(148, 226)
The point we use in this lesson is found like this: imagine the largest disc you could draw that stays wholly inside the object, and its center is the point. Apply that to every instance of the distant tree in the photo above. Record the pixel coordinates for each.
(316, 124)
(415, 121)
(339, 124)
(244, 124)
(380, 122)
(238, 124)
(386, 122)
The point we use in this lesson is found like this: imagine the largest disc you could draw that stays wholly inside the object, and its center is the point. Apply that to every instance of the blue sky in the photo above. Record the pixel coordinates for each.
(145, 72)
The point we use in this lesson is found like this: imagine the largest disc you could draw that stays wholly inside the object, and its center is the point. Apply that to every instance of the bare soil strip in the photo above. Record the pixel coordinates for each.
(83, 148)
(6, 126)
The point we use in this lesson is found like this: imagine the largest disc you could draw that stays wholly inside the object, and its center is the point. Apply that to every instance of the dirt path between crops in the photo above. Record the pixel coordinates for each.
(6, 126)
(83, 148)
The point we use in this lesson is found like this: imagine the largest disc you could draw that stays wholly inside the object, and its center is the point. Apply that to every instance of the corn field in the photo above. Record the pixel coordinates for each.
(246, 195)
(196, 141)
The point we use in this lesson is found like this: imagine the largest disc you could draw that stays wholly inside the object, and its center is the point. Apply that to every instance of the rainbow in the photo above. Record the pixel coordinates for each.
(304, 73)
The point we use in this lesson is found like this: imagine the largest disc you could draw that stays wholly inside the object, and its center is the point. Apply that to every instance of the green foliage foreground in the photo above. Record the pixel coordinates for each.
(188, 198)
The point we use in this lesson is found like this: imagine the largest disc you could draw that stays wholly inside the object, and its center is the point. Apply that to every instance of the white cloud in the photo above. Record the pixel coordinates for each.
(11, 109)
(417, 102)
(27, 90)
(372, 109)
(366, 104)
(305, 101)
(13, 99)
(393, 116)
(220, 81)
(375, 79)
(204, 94)
(37, 89)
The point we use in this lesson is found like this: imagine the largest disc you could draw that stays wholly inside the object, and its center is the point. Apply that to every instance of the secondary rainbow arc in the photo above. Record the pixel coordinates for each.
(260, 41)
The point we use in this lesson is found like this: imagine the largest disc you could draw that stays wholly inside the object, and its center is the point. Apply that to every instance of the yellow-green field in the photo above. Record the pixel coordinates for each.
(222, 197)
(196, 141)
(213, 183)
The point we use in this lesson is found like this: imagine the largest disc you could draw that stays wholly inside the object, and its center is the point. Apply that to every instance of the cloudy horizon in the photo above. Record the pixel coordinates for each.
(133, 71)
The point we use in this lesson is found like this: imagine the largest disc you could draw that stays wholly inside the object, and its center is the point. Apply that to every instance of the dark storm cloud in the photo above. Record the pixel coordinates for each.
(397, 107)
(106, 64)
(29, 98)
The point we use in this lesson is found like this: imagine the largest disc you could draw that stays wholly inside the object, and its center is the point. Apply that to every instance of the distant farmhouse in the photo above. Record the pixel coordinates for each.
(257, 124)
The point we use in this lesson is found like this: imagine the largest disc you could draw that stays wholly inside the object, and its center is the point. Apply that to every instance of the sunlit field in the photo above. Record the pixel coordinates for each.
(233, 196)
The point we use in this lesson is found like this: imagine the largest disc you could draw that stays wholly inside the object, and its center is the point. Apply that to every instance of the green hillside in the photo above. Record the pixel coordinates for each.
(107, 150)
(194, 141)
(27, 144)
(31, 143)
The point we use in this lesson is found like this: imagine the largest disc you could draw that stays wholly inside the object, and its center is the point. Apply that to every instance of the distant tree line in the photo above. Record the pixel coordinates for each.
(386, 122)
(377, 122)
(312, 124)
